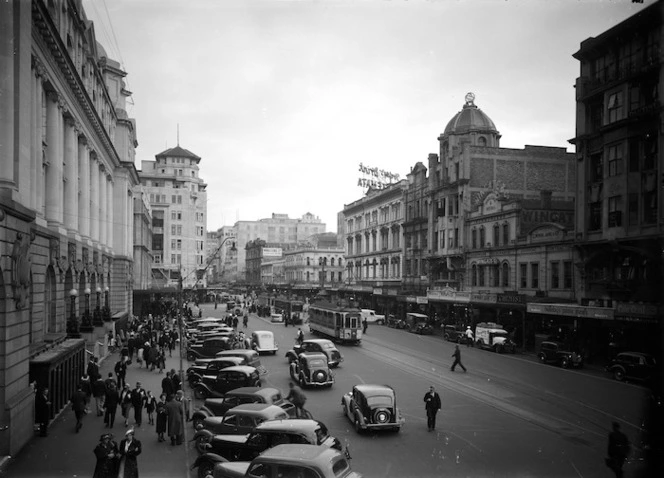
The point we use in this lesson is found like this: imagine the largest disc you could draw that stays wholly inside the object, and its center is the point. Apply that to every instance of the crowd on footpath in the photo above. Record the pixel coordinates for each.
(146, 341)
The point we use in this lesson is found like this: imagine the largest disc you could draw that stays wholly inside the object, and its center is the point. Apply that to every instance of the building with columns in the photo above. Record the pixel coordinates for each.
(66, 198)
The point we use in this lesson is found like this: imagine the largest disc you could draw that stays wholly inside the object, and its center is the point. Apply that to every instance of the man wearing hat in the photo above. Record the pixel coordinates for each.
(138, 399)
(107, 454)
(130, 448)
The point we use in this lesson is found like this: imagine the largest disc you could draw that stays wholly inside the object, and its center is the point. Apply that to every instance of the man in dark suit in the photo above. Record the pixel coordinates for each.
(121, 372)
(78, 402)
(138, 398)
(432, 404)
(42, 411)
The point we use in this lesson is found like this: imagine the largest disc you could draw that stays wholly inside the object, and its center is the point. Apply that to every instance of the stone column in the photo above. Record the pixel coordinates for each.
(71, 177)
(84, 186)
(94, 197)
(53, 184)
(109, 212)
(8, 40)
(103, 219)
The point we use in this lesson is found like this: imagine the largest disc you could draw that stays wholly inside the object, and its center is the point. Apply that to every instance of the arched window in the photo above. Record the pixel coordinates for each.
(332, 262)
(474, 275)
(473, 235)
(506, 275)
(506, 234)
(496, 235)
(481, 141)
(482, 236)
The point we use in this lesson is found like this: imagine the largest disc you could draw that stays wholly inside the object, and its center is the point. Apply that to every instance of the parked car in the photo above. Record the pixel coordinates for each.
(263, 341)
(555, 352)
(208, 348)
(309, 461)
(226, 380)
(219, 406)
(334, 357)
(196, 372)
(371, 317)
(454, 333)
(251, 357)
(222, 448)
(311, 369)
(395, 323)
(274, 317)
(418, 324)
(372, 407)
(632, 366)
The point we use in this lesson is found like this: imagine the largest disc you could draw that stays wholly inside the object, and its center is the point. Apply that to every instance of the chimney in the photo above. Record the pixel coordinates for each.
(545, 197)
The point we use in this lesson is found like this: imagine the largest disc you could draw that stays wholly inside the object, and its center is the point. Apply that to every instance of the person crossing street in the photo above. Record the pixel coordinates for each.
(457, 359)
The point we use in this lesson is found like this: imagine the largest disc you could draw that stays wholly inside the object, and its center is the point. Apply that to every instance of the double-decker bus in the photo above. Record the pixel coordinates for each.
(294, 309)
(340, 323)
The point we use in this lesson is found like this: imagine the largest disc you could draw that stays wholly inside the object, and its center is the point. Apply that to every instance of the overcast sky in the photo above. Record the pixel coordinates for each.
(283, 99)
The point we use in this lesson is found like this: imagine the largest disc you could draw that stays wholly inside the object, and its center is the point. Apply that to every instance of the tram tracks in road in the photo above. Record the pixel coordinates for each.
(495, 393)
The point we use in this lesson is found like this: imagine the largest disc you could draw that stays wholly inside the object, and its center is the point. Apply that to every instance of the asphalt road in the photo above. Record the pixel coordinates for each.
(507, 416)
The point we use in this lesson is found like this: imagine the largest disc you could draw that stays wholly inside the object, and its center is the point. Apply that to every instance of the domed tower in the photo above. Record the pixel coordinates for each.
(470, 125)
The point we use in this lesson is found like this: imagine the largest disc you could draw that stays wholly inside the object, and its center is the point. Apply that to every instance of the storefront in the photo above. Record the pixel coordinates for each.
(449, 306)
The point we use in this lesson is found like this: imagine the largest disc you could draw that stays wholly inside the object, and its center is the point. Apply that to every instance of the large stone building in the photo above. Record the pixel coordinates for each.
(67, 178)
(620, 205)
(178, 203)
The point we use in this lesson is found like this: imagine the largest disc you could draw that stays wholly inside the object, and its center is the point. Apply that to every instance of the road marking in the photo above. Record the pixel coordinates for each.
(359, 378)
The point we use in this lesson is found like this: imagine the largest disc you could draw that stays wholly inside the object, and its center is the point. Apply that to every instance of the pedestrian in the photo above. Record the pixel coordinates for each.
(245, 320)
(121, 371)
(162, 417)
(42, 411)
(432, 404)
(138, 398)
(99, 391)
(125, 402)
(77, 401)
(167, 385)
(87, 389)
(618, 450)
(186, 404)
(469, 336)
(174, 410)
(161, 360)
(300, 336)
(175, 378)
(107, 454)
(130, 448)
(110, 380)
(93, 369)
(365, 324)
(457, 359)
(111, 400)
(297, 398)
(150, 405)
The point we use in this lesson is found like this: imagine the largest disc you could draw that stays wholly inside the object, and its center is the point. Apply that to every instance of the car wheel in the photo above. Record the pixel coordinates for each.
(196, 421)
(201, 393)
(205, 469)
(191, 357)
(201, 444)
(619, 374)
(358, 427)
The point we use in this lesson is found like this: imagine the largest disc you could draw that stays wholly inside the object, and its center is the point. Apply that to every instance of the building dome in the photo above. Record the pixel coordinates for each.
(470, 119)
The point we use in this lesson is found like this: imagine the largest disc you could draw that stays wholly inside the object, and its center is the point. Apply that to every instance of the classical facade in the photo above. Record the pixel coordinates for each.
(317, 263)
(66, 198)
(620, 205)
(374, 245)
(178, 206)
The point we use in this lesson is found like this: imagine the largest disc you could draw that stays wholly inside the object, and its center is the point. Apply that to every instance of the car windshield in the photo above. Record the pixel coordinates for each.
(327, 345)
(379, 401)
(317, 363)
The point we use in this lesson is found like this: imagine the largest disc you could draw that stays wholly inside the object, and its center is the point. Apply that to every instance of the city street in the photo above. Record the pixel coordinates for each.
(507, 416)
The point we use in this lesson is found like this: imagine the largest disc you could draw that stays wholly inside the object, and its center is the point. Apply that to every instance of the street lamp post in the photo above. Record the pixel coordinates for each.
(97, 313)
(86, 323)
(72, 323)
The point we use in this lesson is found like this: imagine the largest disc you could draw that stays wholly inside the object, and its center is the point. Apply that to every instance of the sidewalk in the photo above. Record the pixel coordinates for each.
(70, 454)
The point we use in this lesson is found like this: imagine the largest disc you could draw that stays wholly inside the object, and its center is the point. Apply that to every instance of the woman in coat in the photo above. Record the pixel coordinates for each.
(125, 402)
(107, 457)
(111, 400)
(174, 409)
(162, 417)
(130, 448)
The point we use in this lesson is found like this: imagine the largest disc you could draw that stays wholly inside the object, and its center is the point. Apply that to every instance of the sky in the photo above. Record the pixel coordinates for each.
(284, 99)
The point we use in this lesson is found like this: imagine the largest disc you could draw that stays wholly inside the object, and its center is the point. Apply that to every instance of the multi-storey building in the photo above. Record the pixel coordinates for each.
(178, 203)
(315, 264)
(620, 206)
(142, 241)
(227, 254)
(373, 230)
(66, 186)
(277, 229)
(212, 256)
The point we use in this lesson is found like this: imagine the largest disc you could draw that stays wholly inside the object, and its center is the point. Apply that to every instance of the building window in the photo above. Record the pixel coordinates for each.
(615, 160)
(534, 275)
(596, 167)
(615, 211)
(555, 275)
(482, 237)
(567, 274)
(481, 273)
(633, 209)
(495, 273)
(496, 235)
(506, 274)
(506, 234)
(456, 237)
(615, 107)
(473, 235)
(650, 207)
(634, 156)
(474, 275)
(595, 216)
(523, 275)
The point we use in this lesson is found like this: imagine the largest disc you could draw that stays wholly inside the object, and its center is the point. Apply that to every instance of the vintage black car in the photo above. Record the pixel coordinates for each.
(208, 348)
(323, 346)
(372, 407)
(556, 353)
(454, 333)
(395, 323)
(418, 324)
(196, 372)
(218, 406)
(268, 434)
(225, 380)
(632, 366)
(311, 369)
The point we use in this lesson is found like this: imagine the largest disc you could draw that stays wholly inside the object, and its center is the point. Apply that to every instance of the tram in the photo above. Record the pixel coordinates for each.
(294, 309)
(339, 323)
